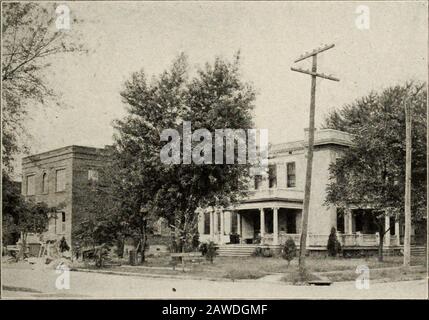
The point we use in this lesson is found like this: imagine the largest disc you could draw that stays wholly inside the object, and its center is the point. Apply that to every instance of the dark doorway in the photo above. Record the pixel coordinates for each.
(365, 222)
(290, 222)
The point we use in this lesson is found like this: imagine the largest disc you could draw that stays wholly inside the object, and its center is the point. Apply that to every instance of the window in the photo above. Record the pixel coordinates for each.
(340, 220)
(206, 222)
(63, 222)
(392, 226)
(272, 178)
(234, 222)
(93, 175)
(61, 180)
(45, 183)
(291, 177)
(258, 182)
(31, 186)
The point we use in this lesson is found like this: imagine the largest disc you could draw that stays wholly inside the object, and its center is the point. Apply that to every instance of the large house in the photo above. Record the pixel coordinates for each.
(271, 213)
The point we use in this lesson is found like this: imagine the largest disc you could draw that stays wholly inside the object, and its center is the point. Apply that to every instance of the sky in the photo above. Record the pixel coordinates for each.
(123, 37)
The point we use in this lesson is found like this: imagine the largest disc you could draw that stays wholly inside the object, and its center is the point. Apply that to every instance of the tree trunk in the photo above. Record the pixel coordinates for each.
(408, 154)
(120, 247)
(142, 249)
(143, 241)
(23, 245)
(380, 245)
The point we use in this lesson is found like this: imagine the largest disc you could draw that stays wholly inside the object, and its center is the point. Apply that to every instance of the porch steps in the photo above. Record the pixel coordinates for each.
(418, 251)
(236, 250)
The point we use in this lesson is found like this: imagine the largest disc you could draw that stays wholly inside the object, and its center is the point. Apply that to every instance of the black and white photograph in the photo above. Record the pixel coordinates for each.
(191, 150)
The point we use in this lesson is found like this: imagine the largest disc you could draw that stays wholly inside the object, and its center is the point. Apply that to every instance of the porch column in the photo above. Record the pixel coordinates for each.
(262, 214)
(386, 227)
(348, 221)
(222, 227)
(238, 223)
(275, 226)
(398, 237)
(211, 225)
(216, 225)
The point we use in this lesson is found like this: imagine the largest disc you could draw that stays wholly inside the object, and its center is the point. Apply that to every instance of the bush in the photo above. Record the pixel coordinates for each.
(101, 254)
(63, 245)
(234, 238)
(262, 252)
(289, 250)
(208, 250)
(195, 241)
(333, 246)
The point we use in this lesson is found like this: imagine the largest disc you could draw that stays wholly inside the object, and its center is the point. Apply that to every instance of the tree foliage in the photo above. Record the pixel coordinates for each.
(29, 38)
(289, 250)
(214, 98)
(333, 246)
(20, 215)
(371, 173)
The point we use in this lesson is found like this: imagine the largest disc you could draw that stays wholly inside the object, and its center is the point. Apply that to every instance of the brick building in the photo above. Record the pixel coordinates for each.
(269, 215)
(62, 178)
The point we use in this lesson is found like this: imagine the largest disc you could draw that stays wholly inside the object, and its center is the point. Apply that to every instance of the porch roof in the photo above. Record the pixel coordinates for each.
(271, 202)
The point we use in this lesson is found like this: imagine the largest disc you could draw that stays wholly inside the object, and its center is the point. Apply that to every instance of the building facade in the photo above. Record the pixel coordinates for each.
(273, 210)
(270, 214)
(62, 178)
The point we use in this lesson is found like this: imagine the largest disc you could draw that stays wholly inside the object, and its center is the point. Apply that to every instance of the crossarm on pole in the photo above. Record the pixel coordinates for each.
(320, 75)
(314, 52)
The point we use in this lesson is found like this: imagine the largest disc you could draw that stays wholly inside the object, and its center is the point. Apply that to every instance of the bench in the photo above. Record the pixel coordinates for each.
(185, 256)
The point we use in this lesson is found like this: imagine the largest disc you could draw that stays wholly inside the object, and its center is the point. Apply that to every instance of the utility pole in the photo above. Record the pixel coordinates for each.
(407, 236)
(314, 75)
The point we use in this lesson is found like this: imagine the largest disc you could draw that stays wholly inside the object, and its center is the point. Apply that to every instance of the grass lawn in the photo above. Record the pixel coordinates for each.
(337, 269)
(382, 275)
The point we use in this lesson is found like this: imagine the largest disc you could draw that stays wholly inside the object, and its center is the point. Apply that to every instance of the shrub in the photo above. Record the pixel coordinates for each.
(208, 250)
(334, 246)
(234, 238)
(63, 245)
(195, 241)
(289, 250)
(101, 254)
(262, 252)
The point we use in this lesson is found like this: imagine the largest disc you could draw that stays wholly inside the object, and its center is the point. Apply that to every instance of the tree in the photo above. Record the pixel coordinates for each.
(371, 173)
(333, 246)
(102, 224)
(215, 98)
(21, 216)
(29, 39)
(12, 205)
(289, 250)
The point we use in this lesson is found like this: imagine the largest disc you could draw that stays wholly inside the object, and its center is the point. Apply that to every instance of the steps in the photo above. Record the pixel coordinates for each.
(236, 250)
(418, 251)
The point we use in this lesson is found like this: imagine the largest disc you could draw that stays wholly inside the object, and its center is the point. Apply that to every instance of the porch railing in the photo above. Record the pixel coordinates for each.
(321, 240)
(358, 239)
